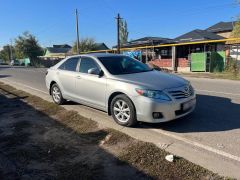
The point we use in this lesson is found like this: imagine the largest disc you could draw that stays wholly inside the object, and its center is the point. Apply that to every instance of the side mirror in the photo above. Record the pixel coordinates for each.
(101, 74)
(96, 71)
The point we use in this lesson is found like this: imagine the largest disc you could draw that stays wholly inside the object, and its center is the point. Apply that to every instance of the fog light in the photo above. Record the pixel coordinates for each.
(157, 115)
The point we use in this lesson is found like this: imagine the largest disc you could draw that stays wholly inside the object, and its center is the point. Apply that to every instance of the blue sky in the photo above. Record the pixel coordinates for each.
(53, 21)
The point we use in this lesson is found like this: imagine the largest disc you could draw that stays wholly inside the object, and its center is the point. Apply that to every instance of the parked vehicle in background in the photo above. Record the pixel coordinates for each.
(1, 61)
(15, 63)
(125, 88)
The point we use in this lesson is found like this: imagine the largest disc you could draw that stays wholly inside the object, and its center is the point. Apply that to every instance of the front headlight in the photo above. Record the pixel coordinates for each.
(153, 94)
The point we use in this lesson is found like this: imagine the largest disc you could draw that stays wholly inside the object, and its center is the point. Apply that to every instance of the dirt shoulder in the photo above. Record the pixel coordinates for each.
(40, 140)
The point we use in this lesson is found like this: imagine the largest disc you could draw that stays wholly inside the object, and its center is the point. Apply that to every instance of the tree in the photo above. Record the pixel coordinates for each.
(27, 46)
(236, 30)
(234, 66)
(123, 32)
(5, 53)
(85, 45)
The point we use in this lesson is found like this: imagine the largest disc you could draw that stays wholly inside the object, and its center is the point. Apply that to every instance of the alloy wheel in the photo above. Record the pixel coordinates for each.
(121, 111)
(56, 94)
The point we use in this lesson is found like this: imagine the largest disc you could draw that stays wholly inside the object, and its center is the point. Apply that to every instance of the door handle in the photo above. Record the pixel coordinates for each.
(78, 77)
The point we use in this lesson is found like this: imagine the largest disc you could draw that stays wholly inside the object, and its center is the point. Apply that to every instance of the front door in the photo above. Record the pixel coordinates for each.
(91, 88)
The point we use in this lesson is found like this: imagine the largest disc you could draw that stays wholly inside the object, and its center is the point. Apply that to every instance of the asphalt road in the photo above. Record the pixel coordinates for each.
(215, 124)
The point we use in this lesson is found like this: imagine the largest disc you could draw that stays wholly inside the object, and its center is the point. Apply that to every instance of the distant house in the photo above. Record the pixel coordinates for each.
(146, 41)
(197, 35)
(57, 51)
(62, 46)
(196, 55)
(149, 53)
(197, 50)
(223, 29)
(98, 47)
(101, 46)
(191, 53)
(61, 51)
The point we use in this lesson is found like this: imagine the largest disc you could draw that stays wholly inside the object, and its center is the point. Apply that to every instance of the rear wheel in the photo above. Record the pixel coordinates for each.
(57, 95)
(123, 111)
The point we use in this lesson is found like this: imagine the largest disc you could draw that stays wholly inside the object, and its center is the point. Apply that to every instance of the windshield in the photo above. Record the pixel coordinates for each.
(118, 65)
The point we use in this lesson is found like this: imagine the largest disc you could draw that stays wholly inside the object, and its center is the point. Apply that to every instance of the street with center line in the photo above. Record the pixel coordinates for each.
(212, 132)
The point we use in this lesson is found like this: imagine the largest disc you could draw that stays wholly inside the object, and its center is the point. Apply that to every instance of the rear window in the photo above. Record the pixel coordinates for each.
(70, 64)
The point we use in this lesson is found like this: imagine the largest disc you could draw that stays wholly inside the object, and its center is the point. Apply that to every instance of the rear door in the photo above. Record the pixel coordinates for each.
(67, 73)
(91, 88)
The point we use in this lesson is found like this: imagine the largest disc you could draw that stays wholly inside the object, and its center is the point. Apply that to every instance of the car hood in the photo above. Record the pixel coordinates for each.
(154, 80)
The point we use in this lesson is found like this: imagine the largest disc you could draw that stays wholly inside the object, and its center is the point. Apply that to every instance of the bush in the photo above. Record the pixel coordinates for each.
(233, 67)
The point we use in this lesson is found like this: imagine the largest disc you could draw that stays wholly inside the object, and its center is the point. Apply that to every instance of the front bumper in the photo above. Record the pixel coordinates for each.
(170, 110)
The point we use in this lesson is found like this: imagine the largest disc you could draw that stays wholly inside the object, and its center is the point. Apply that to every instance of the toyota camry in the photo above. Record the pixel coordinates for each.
(127, 89)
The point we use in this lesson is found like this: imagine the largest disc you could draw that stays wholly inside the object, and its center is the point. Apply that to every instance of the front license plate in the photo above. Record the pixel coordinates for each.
(187, 105)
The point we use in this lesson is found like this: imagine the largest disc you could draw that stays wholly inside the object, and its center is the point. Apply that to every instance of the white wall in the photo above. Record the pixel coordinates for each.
(235, 52)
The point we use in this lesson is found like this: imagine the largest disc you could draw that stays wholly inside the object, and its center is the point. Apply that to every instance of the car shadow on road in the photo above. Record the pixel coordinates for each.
(2, 67)
(212, 114)
(71, 103)
(4, 76)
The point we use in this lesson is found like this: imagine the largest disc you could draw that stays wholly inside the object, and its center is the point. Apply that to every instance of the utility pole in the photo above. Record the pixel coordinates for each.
(118, 33)
(78, 50)
(10, 47)
(232, 22)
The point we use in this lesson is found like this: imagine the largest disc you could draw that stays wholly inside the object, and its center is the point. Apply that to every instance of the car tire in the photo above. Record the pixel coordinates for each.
(123, 111)
(57, 94)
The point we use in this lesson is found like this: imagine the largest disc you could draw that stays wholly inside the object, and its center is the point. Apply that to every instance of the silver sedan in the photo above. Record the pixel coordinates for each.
(125, 88)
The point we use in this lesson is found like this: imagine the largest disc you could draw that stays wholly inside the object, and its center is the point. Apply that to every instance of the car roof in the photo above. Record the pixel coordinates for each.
(98, 55)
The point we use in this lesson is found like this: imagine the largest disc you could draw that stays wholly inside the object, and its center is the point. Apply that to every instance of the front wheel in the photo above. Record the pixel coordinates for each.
(57, 94)
(123, 111)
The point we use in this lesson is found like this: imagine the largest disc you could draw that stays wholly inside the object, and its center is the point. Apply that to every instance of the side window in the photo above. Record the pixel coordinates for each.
(62, 66)
(86, 64)
(70, 64)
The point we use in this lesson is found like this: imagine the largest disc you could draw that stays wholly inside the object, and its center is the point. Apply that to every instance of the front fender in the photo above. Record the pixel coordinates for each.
(118, 87)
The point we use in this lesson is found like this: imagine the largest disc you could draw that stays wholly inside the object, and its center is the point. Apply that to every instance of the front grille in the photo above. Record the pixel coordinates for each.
(182, 93)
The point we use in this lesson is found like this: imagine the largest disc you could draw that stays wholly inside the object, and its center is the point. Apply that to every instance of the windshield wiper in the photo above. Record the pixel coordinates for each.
(122, 73)
(147, 70)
